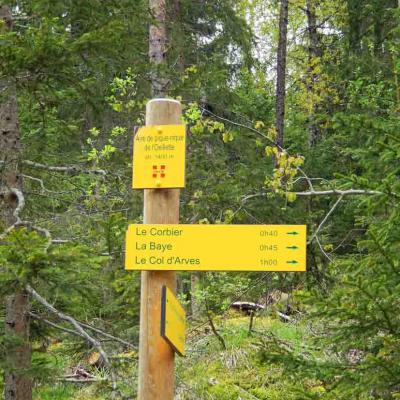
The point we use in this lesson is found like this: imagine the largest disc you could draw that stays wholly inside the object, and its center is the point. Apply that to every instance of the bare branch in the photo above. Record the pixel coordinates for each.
(41, 183)
(71, 169)
(18, 221)
(107, 335)
(322, 249)
(59, 327)
(21, 203)
(78, 328)
(349, 233)
(251, 196)
(7, 231)
(250, 128)
(211, 322)
(60, 241)
(305, 176)
(311, 179)
(312, 192)
(338, 192)
(36, 180)
(78, 380)
(315, 234)
(29, 224)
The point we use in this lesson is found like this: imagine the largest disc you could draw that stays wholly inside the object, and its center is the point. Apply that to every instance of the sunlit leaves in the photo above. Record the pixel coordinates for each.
(284, 173)
(123, 92)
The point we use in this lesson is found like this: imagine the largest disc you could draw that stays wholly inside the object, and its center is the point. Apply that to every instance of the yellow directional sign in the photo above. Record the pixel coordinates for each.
(159, 154)
(173, 321)
(216, 247)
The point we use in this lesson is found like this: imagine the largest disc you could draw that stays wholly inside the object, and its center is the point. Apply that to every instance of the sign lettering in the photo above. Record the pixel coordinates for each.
(216, 247)
(159, 154)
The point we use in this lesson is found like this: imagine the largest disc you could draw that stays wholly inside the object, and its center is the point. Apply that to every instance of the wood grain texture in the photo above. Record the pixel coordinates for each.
(161, 206)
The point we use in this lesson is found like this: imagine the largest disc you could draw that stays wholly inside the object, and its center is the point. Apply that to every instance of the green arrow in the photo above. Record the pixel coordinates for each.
(292, 262)
(292, 233)
(292, 247)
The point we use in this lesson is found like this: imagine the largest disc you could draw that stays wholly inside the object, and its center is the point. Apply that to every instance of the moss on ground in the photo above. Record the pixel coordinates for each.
(209, 372)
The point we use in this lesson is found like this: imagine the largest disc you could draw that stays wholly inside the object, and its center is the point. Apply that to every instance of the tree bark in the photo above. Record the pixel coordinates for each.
(281, 72)
(314, 48)
(18, 385)
(176, 17)
(314, 52)
(158, 41)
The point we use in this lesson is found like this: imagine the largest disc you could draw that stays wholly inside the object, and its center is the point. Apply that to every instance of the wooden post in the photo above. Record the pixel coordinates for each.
(161, 206)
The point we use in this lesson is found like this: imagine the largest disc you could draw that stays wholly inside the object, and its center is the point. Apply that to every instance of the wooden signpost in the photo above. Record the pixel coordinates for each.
(161, 206)
(161, 246)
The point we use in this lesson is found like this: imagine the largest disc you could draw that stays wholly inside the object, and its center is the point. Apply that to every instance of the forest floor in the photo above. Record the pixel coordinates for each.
(209, 371)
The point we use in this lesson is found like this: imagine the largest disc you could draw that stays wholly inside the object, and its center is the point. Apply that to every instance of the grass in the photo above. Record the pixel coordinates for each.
(69, 392)
(208, 372)
(58, 392)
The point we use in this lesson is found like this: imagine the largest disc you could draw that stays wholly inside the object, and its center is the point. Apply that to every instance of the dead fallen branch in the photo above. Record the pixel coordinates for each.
(78, 328)
(70, 169)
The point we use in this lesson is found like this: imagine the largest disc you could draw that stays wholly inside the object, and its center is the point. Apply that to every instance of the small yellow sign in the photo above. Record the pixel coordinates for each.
(216, 247)
(173, 321)
(159, 154)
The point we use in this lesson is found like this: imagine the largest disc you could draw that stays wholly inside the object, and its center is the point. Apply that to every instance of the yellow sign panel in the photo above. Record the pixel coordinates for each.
(173, 321)
(216, 247)
(159, 154)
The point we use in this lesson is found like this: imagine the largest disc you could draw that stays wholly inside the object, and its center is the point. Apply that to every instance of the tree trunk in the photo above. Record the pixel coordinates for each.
(314, 52)
(158, 41)
(281, 72)
(18, 386)
(176, 17)
(314, 48)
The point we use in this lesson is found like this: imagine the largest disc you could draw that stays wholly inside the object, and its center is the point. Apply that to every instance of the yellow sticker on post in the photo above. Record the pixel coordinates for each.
(175, 247)
(159, 157)
(173, 321)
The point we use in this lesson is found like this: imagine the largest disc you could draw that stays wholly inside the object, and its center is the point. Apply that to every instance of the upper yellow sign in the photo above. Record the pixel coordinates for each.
(173, 321)
(216, 247)
(159, 154)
